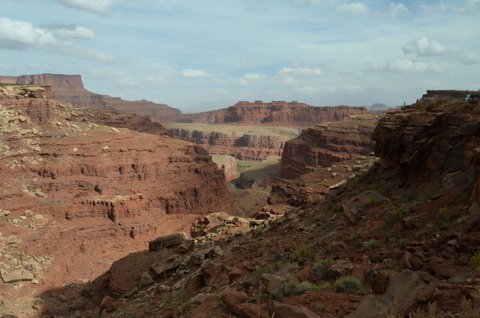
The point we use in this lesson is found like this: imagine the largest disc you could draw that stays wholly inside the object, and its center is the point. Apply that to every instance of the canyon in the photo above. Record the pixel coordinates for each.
(389, 241)
(82, 186)
(356, 212)
(255, 131)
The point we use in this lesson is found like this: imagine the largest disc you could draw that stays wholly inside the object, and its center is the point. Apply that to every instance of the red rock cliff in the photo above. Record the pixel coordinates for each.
(91, 184)
(326, 144)
(276, 113)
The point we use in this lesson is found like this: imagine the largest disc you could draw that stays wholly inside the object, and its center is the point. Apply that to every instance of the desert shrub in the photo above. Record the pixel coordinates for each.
(370, 245)
(304, 252)
(372, 201)
(476, 260)
(291, 287)
(347, 284)
(321, 270)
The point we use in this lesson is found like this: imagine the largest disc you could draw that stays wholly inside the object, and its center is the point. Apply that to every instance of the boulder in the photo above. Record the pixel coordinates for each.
(17, 276)
(167, 241)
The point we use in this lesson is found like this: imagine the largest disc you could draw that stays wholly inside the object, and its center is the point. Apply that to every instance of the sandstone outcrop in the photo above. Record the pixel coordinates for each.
(71, 89)
(275, 113)
(228, 164)
(79, 191)
(328, 143)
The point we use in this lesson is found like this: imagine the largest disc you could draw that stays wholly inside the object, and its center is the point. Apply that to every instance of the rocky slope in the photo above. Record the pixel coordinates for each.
(385, 244)
(328, 143)
(77, 193)
(71, 89)
(277, 113)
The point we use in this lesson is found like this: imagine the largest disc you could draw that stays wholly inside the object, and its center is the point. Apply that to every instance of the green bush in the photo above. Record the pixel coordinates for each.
(370, 245)
(291, 287)
(476, 260)
(304, 252)
(348, 284)
(321, 270)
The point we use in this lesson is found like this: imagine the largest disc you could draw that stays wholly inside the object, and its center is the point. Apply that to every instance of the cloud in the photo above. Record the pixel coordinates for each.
(397, 9)
(21, 35)
(425, 47)
(306, 3)
(405, 66)
(193, 73)
(70, 31)
(93, 6)
(470, 59)
(251, 77)
(354, 9)
(300, 71)
(468, 7)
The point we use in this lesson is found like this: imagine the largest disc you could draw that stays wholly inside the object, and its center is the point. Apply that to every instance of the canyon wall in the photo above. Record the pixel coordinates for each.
(328, 143)
(275, 113)
(434, 139)
(244, 147)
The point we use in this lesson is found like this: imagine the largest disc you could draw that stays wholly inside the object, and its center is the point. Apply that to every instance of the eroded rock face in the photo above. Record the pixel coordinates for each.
(71, 89)
(73, 189)
(245, 147)
(228, 164)
(328, 143)
(275, 113)
(430, 140)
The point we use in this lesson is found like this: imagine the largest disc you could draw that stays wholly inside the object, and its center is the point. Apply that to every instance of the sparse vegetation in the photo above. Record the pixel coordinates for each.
(304, 252)
(321, 270)
(476, 259)
(348, 284)
(370, 245)
(291, 287)
(372, 201)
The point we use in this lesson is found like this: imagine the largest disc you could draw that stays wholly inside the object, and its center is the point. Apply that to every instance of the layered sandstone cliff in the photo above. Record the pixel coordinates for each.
(77, 192)
(71, 89)
(326, 144)
(243, 147)
(275, 113)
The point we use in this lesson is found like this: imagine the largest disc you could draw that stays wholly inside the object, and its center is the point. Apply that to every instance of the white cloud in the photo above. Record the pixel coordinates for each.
(193, 73)
(300, 71)
(405, 66)
(21, 35)
(251, 77)
(397, 9)
(357, 8)
(70, 31)
(470, 59)
(425, 47)
(93, 6)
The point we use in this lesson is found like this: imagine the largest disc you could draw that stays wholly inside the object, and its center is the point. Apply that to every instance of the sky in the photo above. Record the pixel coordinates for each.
(204, 54)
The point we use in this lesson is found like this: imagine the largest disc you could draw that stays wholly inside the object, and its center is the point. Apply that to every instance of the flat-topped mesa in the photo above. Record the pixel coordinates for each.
(326, 144)
(71, 89)
(275, 113)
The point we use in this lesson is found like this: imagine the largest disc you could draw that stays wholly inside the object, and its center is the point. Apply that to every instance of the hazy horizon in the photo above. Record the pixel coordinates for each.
(197, 56)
